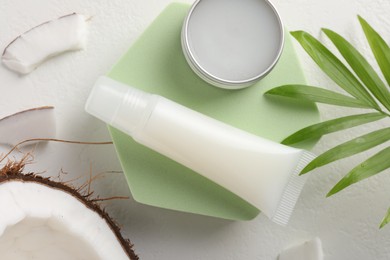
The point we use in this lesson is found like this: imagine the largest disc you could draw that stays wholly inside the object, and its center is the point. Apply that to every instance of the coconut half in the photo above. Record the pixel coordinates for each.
(33, 123)
(43, 219)
(30, 49)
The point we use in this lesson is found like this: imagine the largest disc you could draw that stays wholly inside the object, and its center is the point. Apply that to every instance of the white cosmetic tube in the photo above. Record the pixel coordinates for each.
(262, 172)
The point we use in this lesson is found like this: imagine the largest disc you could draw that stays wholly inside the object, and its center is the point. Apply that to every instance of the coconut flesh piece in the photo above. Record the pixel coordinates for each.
(309, 250)
(49, 39)
(28, 124)
(43, 219)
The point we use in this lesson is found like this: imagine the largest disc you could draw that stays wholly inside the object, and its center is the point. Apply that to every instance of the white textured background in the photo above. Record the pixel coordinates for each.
(347, 223)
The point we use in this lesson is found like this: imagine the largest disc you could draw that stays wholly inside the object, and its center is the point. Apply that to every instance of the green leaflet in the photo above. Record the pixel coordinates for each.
(334, 68)
(379, 47)
(330, 126)
(357, 145)
(361, 67)
(374, 165)
(386, 219)
(316, 94)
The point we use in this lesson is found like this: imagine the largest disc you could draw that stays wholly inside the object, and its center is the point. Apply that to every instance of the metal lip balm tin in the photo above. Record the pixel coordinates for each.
(232, 44)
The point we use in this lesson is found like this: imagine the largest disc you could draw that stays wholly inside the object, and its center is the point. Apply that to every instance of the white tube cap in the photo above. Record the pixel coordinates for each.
(117, 104)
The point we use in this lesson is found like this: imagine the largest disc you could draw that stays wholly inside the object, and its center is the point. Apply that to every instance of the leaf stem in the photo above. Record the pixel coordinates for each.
(383, 112)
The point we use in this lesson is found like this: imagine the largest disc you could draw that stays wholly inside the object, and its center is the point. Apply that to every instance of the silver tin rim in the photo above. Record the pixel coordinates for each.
(217, 81)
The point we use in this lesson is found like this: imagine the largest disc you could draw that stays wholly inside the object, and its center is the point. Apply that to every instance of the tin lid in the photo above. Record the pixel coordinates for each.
(232, 43)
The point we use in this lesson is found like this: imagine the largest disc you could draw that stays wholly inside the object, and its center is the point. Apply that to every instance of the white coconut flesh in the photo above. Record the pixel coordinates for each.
(49, 39)
(42, 222)
(309, 250)
(28, 124)
(35, 238)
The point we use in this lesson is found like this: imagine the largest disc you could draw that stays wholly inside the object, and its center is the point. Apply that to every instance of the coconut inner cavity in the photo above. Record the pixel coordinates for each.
(37, 238)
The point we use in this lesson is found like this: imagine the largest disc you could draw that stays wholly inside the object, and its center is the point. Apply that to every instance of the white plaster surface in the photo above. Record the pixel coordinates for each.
(346, 223)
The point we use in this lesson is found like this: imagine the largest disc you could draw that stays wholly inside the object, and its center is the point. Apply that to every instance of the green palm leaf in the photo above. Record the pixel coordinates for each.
(379, 47)
(374, 165)
(354, 146)
(330, 126)
(334, 68)
(367, 90)
(315, 94)
(361, 67)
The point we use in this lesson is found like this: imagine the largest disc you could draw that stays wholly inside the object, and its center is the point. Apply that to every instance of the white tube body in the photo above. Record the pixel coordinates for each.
(256, 169)
(251, 167)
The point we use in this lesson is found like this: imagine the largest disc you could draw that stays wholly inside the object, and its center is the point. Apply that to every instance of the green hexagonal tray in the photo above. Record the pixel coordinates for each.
(155, 63)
